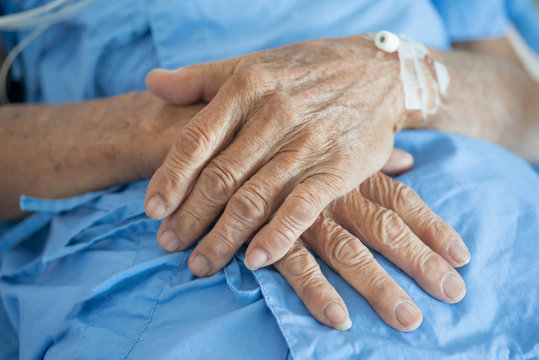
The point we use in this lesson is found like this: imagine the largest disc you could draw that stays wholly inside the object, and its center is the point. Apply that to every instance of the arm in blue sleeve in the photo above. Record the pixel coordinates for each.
(469, 20)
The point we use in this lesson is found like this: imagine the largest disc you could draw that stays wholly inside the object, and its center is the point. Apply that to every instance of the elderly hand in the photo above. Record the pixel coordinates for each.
(286, 132)
(388, 217)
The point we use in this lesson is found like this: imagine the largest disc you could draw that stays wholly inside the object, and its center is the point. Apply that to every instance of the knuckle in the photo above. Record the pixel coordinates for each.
(217, 183)
(300, 263)
(426, 262)
(251, 71)
(249, 77)
(347, 255)
(220, 249)
(193, 143)
(428, 220)
(248, 206)
(334, 182)
(313, 285)
(391, 232)
(288, 162)
(303, 268)
(288, 228)
(299, 153)
(305, 210)
(186, 220)
(437, 226)
(282, 239)
(304, 149)
(371, 183)
(285, 233)
(278, 110)
(379, 280)
(380, 286)
(318, 235)
(171, 172)
(280, 104)
(405, 198)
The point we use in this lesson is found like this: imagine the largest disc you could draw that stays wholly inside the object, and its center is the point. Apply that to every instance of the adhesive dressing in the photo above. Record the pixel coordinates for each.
(423, 88)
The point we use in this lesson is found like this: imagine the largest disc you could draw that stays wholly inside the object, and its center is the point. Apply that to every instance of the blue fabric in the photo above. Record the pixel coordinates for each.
(468, 20)
(84, 277)
(525, 16)
(5, 226)
(100, 287)
(111, 45)
(92, 282)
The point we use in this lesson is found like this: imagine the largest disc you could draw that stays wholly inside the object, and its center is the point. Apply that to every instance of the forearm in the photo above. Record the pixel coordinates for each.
(491, 99)
(64, 150)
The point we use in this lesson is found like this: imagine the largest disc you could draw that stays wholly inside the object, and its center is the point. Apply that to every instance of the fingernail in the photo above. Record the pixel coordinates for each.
(452, 286)
(156, 208)
(169, 241)
(407, 314)
(336, 315)
(407, 159)
(458, 252)
(256, 259)
(199, 265)
(160, 70)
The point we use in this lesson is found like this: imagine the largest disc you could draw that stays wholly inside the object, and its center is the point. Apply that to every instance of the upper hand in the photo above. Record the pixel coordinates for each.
(286, 132)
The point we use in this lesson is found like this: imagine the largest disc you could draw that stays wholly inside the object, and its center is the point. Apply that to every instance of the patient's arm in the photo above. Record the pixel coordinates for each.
(63, 150)
(53, 151)
(499, 96)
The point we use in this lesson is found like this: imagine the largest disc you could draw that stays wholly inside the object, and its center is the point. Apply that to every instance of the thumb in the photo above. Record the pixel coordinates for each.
(399, 162)
(190, 84)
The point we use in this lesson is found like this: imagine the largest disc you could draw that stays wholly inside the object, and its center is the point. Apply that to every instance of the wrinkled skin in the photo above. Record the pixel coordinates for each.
(389, 217)
(286, 133)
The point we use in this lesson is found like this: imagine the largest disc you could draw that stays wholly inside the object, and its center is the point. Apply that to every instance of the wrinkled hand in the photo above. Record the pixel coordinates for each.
(286, 132)
(389, 217)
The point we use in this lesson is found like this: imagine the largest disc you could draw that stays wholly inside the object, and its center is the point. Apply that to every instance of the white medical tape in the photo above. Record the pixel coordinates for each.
(442, 76)
(422, 88)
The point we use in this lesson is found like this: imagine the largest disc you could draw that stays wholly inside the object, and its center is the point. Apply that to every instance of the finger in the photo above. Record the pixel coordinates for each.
(299, 210)
(248, 209)
(300, 269)
(399, 162)
(428, 226)
(210, 130)
(355, 263)
(221, 178)
(384, 231)
(190, 84)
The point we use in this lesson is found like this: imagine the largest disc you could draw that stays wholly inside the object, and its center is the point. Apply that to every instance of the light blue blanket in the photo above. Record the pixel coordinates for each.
(86, 279)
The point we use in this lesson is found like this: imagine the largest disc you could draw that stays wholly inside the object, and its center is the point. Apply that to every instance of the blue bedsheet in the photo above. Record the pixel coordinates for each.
(87, 279)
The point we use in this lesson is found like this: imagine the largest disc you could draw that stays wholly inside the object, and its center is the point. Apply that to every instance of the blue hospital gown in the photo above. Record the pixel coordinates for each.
(83, 278)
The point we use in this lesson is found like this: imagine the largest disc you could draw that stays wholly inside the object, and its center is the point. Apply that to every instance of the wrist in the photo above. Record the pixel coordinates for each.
(156, 126)
(422, 80)
(385, 70)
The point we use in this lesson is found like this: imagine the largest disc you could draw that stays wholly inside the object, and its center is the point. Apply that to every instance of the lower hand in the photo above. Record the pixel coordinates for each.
(386, 216)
